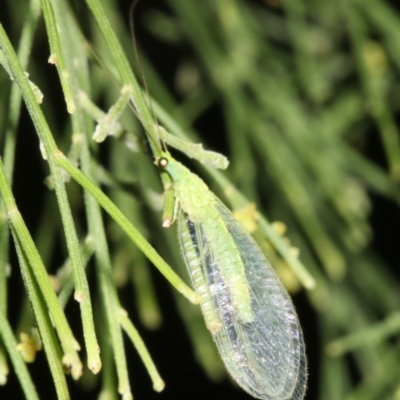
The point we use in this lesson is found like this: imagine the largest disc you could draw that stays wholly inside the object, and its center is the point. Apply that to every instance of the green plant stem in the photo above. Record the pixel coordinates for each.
(127, 227)
(48, 337)
(67, 281)
(108, 124)
(82, 290)
(56, 55)
(372, 85)
(158, 383)
(372, 334)
(69, 343)
(126, 74)
(104, 273)
(19, 366)
(70, 50)
(24, 48)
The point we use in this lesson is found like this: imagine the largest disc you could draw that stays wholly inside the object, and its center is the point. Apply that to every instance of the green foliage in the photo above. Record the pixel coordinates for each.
(303, 87)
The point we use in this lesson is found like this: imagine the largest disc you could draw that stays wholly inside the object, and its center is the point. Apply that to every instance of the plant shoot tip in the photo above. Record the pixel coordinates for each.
(159, 385)
(95, 366)
(78, 296)
(52, 59)
(166, 223)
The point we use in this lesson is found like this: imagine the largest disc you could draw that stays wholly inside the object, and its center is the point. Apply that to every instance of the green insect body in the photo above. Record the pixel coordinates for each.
(197, 204)
(248, 312)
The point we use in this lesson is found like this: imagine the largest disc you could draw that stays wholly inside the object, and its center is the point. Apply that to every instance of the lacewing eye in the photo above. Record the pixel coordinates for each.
(162, 162)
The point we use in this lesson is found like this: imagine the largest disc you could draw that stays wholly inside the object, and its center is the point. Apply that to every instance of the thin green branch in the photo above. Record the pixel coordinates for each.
(56, 55)
(372, 77)
(24, 49)
(19, 366)
(107, 287)
(127, 227)
(70, 345)
(126, 74)
(48, 337)
(82, 293)
(82, 290)
(158, 383)
(376, 333)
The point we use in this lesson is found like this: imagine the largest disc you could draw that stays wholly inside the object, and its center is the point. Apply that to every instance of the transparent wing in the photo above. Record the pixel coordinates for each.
(201, 266)
(274, 341)
(266, 355)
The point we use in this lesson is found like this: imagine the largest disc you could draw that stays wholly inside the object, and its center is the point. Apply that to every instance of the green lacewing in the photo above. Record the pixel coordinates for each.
(248, 312)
